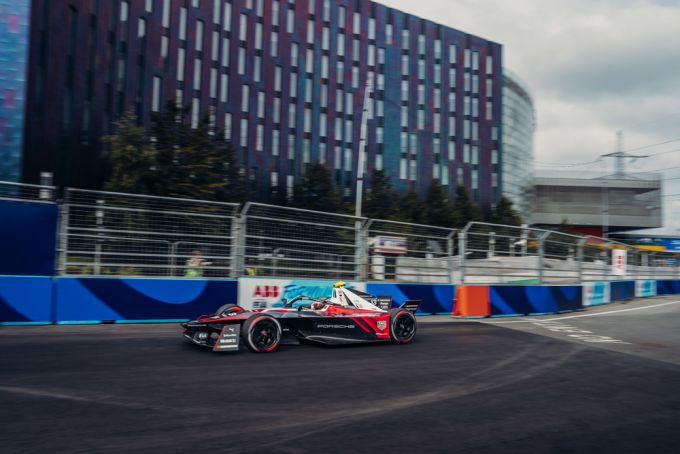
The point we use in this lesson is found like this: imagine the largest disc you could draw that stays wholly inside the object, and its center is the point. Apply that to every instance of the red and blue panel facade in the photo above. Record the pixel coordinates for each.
(284, 79)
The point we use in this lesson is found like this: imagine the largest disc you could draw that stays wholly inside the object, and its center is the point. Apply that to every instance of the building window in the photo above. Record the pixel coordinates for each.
(245, 97)
(180, 64)
(452, 150)
(141, 27)
(274, 44)
(215, 50)
(371, 28)
(275, 12)
(466, 58)
(241, 61)
(195, 112)
(341, 16)
(217, 5)
(277, 110)
(291, 116)
(227, 126)
(156, 94)
(290, 20)
(259, 139)
(182, 24)
(356, 26)
(310, 61)
(293, 85)
(199, 35)
(258, 36)
(197, 74)
(260, 104)
(276, 137)
(244, 132)
(257, 68)
(226, 22)
(213, 83)
(243, 28)
(294, 54)
(224, 87)
(166, 13)
(489, 64)
(310, 32)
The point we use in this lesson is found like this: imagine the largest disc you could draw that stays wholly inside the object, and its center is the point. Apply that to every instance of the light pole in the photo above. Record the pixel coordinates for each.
(362, 145)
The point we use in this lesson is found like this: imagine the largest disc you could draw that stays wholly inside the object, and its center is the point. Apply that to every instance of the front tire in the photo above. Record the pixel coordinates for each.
(403, 326)
(261, 333)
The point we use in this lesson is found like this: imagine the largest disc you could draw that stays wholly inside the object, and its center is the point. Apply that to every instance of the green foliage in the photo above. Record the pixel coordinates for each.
(380, 198)
(465, 209)
(173, 159)
(438, 208)
(412, 208)
(317, 191)
(132, 158)
(504, 213)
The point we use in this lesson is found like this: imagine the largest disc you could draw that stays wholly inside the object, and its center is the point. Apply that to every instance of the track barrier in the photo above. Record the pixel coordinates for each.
(472, 301)
(41, 300)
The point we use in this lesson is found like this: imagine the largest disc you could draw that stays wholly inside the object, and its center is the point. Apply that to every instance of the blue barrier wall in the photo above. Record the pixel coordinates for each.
(28, 232)
(622, 290)
(25, 299)
(667, 287)
(526, 300)
(436, 298)
(119, 299)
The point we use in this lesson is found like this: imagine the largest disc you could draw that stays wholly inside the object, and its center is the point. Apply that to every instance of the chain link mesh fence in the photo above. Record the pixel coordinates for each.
(104, 233)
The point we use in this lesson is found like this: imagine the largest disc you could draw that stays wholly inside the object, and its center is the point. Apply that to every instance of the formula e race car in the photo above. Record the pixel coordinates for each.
(347, 317)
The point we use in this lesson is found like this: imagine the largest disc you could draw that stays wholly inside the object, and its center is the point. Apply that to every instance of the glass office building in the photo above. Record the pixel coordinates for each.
(519, 124)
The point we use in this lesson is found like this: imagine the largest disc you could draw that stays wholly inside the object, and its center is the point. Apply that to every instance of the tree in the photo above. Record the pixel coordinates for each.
(132, 158)
(438, 208)
(380, 198)
(465, 209)
(316, 190)
(412, 208)
(504, 213)
(191, 162)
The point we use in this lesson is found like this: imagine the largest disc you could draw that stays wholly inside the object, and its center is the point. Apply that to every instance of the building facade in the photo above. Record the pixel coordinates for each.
(284, 79)
(14, 26)
(597, 204)
(519, 124)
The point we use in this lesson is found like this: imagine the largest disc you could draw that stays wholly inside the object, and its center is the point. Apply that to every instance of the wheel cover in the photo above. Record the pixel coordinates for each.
(404, 327)
(265, 334)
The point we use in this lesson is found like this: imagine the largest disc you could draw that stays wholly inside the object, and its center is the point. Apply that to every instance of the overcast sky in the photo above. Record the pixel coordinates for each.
(593, 67)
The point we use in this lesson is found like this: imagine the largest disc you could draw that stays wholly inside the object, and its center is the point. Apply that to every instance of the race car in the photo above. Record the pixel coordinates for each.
(349, 316)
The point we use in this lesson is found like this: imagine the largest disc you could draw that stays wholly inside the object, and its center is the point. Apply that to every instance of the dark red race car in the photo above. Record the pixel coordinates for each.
(347, 317)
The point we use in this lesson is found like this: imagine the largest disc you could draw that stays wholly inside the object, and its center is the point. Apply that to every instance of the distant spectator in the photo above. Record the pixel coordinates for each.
(195, 264)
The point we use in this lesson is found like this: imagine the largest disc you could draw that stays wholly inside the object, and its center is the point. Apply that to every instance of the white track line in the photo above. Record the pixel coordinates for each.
(612, 312)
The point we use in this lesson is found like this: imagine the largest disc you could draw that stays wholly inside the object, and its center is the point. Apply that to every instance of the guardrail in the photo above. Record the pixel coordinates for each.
(27, 192)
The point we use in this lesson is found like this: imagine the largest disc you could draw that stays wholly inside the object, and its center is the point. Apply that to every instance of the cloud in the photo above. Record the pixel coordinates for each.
(593, 67)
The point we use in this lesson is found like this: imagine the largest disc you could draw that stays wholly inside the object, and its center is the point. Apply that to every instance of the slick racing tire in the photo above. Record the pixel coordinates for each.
(225, 308)
(261, 333)
(402, 326)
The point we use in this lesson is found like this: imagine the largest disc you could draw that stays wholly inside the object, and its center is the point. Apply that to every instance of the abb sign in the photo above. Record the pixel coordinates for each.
(266, 291)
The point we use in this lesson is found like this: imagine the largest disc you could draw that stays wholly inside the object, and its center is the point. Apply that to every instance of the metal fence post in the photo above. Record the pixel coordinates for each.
(541, 255)
(62, 250)
(238, 247)
(363, 254)
(579, 259)
(461, 252)
(449, 256)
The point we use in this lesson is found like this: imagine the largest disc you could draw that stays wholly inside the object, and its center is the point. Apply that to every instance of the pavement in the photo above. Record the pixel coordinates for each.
(606, 380)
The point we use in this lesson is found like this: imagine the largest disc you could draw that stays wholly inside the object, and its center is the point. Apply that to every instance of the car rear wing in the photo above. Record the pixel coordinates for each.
(411, 305)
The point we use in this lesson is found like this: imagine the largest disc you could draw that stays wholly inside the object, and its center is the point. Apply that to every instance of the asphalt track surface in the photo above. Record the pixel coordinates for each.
(490, 386)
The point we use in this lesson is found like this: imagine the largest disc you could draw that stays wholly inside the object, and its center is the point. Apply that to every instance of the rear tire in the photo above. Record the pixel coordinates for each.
(403, 326)
(261, 333)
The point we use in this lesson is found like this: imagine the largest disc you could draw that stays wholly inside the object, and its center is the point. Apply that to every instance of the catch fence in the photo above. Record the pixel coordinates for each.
(105, 233)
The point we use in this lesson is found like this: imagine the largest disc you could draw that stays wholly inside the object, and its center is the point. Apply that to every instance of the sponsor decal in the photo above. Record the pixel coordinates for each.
(382, 324)
(229, 339)
(266, 291)
(326, 326)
